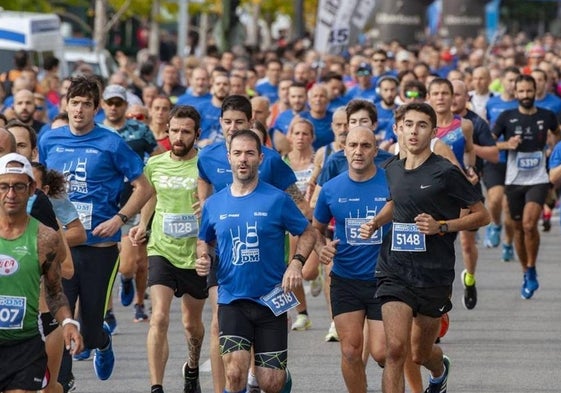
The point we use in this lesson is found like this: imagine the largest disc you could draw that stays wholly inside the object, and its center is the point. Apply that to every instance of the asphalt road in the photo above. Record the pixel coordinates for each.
(504, 345)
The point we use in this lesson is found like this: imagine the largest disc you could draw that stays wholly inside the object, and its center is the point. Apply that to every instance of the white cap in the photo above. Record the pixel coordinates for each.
(402, 55)
(19, 170)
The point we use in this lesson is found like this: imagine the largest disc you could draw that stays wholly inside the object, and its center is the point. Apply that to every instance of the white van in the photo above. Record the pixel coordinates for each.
(39, 34)
(83, 50)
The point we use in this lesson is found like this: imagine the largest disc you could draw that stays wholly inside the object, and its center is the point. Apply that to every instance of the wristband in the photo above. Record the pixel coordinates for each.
(70, 321)
(123, 217)
(299, 257)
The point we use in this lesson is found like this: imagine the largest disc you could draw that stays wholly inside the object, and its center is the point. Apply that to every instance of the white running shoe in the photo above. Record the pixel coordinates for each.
(316, 285)
(302, 323)
(332, 335)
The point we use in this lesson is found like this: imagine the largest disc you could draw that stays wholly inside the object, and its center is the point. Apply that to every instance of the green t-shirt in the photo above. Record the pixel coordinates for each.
(174, 227)
(20, 277)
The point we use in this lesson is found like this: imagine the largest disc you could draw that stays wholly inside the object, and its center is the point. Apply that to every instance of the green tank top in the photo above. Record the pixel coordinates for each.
(20, 276)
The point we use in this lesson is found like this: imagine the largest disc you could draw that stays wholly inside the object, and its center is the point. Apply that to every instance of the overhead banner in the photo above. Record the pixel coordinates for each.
(462, 19)
(401, 20)
(339, 24)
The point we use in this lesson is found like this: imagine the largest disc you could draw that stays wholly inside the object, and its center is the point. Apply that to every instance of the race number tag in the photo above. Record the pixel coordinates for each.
(84, 210)
(180, 225)
(352, 231)
(12, 311)
(280, 302)
(528, 161)
(406, 237)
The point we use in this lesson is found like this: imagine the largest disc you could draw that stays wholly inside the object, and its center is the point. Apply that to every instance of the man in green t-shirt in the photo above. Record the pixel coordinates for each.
(30, 250)
(172, 247)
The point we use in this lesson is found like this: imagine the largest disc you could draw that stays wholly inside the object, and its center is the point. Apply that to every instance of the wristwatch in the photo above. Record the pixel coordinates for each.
(123, 218)
(442, 227)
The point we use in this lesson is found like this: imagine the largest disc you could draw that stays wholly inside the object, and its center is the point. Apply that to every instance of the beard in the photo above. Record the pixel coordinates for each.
(180, 149)
(527, 103)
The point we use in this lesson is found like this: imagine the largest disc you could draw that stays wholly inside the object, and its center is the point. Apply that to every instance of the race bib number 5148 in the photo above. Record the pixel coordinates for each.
(406, 237)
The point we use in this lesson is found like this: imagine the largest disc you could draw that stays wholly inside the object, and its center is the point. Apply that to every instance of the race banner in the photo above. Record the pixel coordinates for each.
(462, 19)
(340, 22)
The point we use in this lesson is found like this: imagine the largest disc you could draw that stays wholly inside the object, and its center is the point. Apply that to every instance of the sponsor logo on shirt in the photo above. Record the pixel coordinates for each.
(8, 265)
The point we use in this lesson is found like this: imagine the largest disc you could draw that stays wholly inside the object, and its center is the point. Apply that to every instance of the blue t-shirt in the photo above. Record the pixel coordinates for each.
(250, 233)
(210, 122)
(454, 137)
(555, 156)
(385, 122)
(353, 203)
(195, 101)
(550, 102)
(337, 163)
(268, 90)
(368, 94)
(322, 128)
(282, 122)
(215, 169)
(95, 166)
(338, 102)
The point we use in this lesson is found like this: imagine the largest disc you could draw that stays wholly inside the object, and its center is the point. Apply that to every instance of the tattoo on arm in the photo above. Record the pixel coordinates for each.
(296, 195)
(54, 296)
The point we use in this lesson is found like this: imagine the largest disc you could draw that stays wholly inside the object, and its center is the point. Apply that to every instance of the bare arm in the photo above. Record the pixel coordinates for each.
(298, 198)
(488, 153)
(555, 176)
(50, 259)
(67, 267)
(442, 149)
(469, 151)
(204, 190)
(75, 233)
(282, 145)
(477, 217)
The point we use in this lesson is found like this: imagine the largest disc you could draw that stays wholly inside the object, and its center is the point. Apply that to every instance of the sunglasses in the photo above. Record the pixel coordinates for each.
(412, 94)
(136, 116)
(363, 73)
(378, 60)
(115, 103)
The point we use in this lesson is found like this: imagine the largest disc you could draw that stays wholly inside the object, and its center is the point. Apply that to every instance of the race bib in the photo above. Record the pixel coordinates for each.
(352, 232)
(180, 225)
(85, 213)
(12, 311)
(280, 302)
(406, 237)
(528, 161)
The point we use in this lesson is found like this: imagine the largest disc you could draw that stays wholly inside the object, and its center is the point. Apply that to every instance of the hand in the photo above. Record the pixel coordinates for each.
(472, 176)
(427, 224)
(202, 264)
(72, 339)
(108, 228)
(292, 277)
(367, 230)
(328, 252)
(137, 235)
(514, 141)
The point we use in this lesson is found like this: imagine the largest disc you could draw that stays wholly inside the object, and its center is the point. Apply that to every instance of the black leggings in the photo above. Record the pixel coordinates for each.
(95, 269)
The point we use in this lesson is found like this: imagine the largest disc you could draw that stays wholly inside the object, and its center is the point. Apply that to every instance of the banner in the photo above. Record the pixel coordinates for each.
(340, 22)
(461, 18)
(401, 20)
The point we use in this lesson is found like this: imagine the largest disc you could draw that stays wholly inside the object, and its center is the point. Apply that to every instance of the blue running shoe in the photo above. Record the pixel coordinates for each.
(441, 386)
(104, 359)
(111, 321)
(126, 291)
(530, 283)
(84, 355)
(492, 236)
(508, 252)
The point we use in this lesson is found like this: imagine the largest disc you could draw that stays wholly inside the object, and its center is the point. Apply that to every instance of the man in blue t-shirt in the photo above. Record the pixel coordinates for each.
(248, 220)
(353, 198)
(95, 162)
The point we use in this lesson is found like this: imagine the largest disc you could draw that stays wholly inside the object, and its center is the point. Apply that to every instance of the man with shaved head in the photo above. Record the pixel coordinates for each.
(24, 107)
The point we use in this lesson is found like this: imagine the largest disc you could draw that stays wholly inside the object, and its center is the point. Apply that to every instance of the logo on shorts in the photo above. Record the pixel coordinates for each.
(8, 265)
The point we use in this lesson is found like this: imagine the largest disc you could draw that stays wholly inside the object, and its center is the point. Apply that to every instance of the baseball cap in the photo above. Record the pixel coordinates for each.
(114, 91)
(364, 67)
(402, 55)
(536, 51)
(19, 170)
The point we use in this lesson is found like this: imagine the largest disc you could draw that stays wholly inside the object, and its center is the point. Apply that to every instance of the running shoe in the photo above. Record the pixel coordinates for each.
(316, 285)
(252, 384)
(84, 355)
(126, 291)
(530, 283)
(139, 314)
(288, 383)
(508, 252)
(104, 359)
(546, 225)
(332, 335)
(470, 293)
(492, 236)
(70, 385)
(190, 379)
(441, 386)
(111, 321)
(302, 323)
